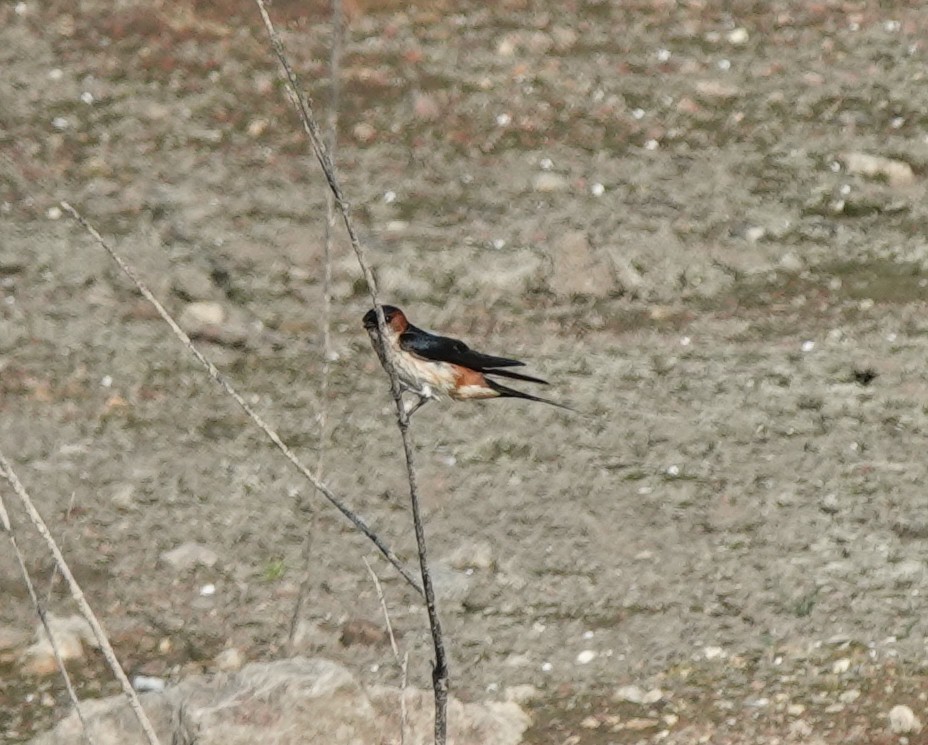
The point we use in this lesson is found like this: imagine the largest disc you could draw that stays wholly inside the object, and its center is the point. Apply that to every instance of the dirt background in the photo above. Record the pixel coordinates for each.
(658, 205)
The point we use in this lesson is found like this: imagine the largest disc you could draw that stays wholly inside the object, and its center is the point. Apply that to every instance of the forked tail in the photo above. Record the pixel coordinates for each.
(505, 392)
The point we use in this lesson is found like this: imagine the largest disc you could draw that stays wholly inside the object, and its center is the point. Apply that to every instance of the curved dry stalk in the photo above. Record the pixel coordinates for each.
(43, 618)
(304, 110)
(78, 595)
(217, 377)
(330, 217)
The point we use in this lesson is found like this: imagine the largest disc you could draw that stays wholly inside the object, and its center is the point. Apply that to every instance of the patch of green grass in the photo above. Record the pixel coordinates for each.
(274, 570)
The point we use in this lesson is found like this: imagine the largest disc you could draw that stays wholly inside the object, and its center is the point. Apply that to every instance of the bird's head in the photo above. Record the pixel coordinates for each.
(395, 318)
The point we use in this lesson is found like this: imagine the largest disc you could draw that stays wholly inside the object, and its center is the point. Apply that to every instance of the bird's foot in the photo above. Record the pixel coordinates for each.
(412, 409)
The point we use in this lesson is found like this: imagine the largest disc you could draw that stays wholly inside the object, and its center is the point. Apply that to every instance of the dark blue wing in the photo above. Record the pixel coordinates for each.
(445, 349)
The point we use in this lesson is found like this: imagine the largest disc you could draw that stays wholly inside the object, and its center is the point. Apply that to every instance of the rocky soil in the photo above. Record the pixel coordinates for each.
(703, 222)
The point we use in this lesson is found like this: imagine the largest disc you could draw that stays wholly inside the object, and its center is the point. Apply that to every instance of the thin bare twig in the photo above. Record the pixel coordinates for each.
(404, 715)
(303, 108)
(43, 618)
(383, 607)
(402, 664)
(214, 373)
(83, 606)
(53, 579)
(330, 218)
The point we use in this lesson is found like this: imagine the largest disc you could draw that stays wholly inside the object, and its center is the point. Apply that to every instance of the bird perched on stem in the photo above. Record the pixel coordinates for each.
(432, 366)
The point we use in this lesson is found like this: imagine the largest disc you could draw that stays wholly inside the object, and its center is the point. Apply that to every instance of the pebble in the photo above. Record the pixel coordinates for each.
(635, 695)
(712, 653)
(738, 36)
(897, 173)
(828, 504)
(902, 720)
(198, 314)
(586, 656)
(841, 666)
(364, 133)
(800, 729)
(188, 555)
(717, 89)
(123, 496)
(640, 723)
(849, 697)
(257, 127)
(789, 262)
(148, 684)
(229, 660)
(907, 572)
(550, 182)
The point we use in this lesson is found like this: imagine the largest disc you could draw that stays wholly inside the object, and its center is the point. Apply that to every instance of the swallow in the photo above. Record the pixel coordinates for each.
(433, 367)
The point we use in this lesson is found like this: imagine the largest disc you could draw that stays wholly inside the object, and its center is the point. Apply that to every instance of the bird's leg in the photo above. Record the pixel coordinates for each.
(423, 400)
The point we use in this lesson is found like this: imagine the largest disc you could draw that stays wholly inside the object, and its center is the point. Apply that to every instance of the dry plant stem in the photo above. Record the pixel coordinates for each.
(404, 716)
(218, 378)
(383, 608)
(43, 618)
(53, 579)
(401, 664)
(83, 606)
(330, 217)
(302, 106)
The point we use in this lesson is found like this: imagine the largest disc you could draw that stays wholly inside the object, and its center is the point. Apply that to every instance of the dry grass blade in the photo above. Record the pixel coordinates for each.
(303, 108)
(330, 219)
(78, 595)
(53, 579)
(214, 373)
(403, 663)
(43, 618)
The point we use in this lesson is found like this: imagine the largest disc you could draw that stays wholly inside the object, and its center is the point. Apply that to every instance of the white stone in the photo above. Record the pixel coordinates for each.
(550, 182)
(201, 313)
(188, 555)
(902, 720)
(146, 683)
(229, 660)
(586, 656)
(738, 36)
(897, 173)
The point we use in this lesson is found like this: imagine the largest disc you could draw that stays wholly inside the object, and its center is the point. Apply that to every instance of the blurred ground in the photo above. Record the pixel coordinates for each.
(703, 221)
